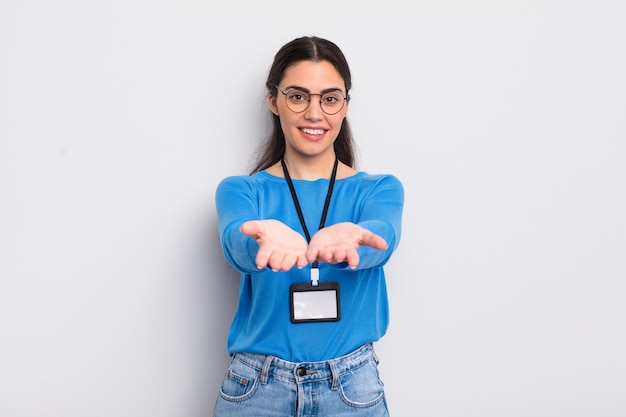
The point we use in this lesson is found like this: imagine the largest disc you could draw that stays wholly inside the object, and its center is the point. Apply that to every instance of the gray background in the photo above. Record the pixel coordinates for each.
(504, 120)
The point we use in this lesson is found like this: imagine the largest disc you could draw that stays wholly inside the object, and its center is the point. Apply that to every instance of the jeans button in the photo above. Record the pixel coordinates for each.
(302, 371)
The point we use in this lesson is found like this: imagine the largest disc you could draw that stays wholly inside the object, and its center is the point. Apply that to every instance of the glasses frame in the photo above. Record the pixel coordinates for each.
(345, 99)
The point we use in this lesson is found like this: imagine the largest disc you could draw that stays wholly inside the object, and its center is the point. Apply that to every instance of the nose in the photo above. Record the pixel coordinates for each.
(314, 111)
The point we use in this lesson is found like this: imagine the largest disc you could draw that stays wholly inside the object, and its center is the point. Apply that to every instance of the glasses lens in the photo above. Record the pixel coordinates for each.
(297, 100)
(332, 102)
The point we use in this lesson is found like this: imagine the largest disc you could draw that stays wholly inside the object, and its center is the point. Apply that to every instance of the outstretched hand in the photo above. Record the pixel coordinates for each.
(340, 242)
(280, 247)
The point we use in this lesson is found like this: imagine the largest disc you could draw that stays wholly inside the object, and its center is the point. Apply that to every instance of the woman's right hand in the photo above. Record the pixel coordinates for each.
(280, 247)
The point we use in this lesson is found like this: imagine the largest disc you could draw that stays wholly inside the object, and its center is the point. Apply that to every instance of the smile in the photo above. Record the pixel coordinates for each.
(313, 131)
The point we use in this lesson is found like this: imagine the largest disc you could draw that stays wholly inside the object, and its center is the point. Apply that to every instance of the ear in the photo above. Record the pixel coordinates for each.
(272, 104)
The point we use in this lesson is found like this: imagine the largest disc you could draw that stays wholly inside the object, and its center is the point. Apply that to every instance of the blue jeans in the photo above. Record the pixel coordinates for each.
(266, 386)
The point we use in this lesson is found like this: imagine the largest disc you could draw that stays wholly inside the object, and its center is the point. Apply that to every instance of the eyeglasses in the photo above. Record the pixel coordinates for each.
(298, 100)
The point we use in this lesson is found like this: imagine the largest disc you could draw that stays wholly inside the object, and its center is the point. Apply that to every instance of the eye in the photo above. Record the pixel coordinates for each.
(332, 99)
(297, 96)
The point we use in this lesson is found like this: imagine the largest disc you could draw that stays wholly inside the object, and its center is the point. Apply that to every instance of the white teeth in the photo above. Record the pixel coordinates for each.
(313, 131)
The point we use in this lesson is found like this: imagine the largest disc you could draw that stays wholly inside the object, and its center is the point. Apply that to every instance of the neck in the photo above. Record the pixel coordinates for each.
(309, 168)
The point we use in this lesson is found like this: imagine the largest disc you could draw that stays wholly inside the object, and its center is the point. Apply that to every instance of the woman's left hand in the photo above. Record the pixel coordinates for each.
(339, 243)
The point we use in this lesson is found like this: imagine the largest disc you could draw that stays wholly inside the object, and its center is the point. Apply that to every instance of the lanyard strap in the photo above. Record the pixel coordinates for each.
(294, 196)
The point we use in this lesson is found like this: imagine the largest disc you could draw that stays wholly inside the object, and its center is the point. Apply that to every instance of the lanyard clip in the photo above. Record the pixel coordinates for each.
(315, 276)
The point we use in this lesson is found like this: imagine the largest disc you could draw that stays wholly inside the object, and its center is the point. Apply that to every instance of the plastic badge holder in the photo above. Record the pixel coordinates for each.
(315, 303)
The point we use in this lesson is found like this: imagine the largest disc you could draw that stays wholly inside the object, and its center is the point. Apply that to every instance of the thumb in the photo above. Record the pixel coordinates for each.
(374, 241)
(250, 228)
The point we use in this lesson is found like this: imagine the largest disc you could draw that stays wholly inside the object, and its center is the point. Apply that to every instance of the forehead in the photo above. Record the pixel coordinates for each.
(313, 75)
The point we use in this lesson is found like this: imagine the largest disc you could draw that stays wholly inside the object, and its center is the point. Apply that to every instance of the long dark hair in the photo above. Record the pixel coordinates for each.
(306, 48)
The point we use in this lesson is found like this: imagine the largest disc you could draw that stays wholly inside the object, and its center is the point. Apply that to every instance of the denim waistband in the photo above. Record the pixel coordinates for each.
(301, 372)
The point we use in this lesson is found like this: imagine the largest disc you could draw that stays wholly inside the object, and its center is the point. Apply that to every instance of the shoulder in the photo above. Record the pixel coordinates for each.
(388, 180)
(378, 186)
(257, 177)
(245, 182)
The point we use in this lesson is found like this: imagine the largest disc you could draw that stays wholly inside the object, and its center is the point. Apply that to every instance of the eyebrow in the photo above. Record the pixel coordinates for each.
(306, 90)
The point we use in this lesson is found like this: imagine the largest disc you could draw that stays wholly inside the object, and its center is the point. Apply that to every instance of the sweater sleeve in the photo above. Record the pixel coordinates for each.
(382, 214)
(236, 203)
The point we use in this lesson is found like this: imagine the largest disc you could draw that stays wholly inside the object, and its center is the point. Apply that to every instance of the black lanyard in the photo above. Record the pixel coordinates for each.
(294, 196)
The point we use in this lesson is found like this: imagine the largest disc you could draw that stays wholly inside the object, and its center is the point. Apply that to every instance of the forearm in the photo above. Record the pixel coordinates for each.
(239, 250)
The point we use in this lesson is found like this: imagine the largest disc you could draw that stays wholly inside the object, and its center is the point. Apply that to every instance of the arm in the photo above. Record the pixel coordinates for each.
(370, 241)
(248, 242)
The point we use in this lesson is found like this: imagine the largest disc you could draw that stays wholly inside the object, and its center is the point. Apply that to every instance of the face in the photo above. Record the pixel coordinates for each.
(312, 132)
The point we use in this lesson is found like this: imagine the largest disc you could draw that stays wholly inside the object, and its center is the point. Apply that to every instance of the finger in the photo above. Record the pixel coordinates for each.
(352, 257)
(325, 256)
(339, 255)
(262, 259)
(288, 262)
(276, 261)
(312, 254)
(302, 261)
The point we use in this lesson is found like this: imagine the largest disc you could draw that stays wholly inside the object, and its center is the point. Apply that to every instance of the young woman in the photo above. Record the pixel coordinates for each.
(310, 235)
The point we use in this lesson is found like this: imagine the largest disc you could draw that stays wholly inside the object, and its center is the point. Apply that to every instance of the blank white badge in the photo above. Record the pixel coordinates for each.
(314, 304)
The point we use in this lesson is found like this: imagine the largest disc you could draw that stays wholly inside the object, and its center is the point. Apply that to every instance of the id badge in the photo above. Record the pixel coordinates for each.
(314, 303)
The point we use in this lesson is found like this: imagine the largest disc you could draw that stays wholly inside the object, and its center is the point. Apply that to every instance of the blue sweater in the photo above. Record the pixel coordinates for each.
(262, 321)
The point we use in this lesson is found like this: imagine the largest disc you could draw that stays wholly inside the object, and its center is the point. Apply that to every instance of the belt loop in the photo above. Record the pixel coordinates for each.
(374, 355)
(266, 368)
(335, 375)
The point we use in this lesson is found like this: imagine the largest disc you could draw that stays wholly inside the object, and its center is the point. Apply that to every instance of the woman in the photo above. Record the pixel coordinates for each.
(310, 235)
